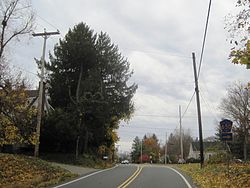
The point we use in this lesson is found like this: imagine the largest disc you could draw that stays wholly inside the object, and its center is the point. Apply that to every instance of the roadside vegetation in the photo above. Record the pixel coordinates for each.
(216, 175)
(86, 160)
(23, 172)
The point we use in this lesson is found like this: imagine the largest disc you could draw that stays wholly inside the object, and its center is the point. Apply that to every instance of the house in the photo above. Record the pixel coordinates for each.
(210, 149)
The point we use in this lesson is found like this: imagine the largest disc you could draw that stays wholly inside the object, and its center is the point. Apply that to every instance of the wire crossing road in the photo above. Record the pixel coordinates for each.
(131, 176)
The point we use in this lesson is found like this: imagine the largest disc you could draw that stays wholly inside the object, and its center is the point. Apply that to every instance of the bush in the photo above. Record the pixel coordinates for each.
(193, 160)
(218, 158)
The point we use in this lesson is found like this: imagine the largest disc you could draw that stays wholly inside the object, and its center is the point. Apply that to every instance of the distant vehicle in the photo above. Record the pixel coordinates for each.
(181, 161)
(125, 162)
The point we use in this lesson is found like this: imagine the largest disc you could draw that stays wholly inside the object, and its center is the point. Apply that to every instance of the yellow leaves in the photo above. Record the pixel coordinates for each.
(101, 149)
(16, 120)
(241, 56)
(33, 138)
(27, 171)
(217, 175)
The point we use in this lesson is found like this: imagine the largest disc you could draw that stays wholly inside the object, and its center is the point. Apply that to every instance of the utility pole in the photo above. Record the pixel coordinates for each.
(45, 36)
(141, 151)
(166, 145)
(181, 142)
(198, 110)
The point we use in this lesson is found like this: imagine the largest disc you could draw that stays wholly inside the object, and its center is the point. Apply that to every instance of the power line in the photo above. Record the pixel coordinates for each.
(204, 37)
(208, 107)
(157, 52)
(24, 69)
(46, 21)
(167, 116)
(159, 128)
(188, 105)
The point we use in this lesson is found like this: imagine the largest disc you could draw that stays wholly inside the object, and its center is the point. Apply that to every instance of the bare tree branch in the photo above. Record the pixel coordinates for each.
(17, 15)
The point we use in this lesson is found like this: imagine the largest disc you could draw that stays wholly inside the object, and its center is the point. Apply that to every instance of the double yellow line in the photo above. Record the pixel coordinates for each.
(131, 178)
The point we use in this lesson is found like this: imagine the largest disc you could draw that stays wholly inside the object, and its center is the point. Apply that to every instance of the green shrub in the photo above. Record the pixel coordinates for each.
(218, 158)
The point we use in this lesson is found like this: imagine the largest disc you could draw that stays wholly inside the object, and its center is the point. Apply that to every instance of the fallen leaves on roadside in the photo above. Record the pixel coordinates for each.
(23, 171)
(217, 175)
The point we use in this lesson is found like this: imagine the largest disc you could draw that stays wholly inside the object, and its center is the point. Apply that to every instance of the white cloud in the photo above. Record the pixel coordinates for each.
(158, 38)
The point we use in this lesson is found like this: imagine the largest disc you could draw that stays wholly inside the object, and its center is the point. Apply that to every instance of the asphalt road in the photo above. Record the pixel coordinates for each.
(159, 177)
(131, 176)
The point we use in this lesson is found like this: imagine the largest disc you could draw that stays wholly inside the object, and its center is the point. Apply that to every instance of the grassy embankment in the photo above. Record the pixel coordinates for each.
(17, 171)
(216, 175)
(85, 160)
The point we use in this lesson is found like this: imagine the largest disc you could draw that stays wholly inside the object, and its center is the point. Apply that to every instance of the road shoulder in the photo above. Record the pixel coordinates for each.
(76, 169)
(187, 177)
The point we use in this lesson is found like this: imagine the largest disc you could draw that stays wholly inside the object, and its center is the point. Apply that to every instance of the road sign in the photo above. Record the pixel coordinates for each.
(226, 126)
(226, 136)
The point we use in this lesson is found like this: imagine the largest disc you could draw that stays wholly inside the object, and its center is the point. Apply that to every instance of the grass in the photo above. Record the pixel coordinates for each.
(217, 175)
(17, 171)
(85, 160)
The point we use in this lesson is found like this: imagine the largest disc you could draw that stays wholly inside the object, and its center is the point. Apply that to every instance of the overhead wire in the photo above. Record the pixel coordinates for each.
(24, 69)
(162, 115)
(202, 51)
(208, 106)
(204, 37)
(164, 128)
(157, 52)
(188, 105)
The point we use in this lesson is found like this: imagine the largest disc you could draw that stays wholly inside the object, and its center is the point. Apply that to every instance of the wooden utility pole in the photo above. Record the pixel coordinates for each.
(181, 140)
(45, 35)
(166, 145)
(198, 110)
(141, 151)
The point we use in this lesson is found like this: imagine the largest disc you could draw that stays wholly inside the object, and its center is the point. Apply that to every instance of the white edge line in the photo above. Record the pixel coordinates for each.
(84, 177)
(187, 183)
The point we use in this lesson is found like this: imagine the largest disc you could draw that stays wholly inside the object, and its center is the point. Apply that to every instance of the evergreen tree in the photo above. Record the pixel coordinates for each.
(136, 149)
(88, 79)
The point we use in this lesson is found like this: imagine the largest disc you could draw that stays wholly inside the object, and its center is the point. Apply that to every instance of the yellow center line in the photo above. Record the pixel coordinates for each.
(131, 178)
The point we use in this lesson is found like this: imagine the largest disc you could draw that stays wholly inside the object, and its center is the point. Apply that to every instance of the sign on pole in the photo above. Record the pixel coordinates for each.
(226, 130)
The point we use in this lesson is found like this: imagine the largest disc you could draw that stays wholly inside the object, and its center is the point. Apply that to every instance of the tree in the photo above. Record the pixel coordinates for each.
(241, 56)
(237, 107)
(173, 144)
(88, 79)
(16, 118)
(136, 149)
(17, 19)
(238, 27)
(151, 147)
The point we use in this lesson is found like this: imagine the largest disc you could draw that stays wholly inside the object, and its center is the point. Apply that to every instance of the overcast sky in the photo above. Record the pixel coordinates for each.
(157, 37)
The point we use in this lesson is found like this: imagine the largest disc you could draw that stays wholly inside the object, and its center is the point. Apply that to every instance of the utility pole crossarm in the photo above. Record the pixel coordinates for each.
(45, 34)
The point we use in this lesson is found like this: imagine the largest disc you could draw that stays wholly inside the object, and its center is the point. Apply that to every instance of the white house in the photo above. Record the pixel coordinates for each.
(210, 149)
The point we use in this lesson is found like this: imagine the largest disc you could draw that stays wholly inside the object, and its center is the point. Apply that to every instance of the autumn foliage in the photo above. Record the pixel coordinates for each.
(22, 171)
(217, 175)
(17, 120)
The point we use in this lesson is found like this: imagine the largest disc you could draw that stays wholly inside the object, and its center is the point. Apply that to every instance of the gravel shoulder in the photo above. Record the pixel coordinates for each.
(76, 169)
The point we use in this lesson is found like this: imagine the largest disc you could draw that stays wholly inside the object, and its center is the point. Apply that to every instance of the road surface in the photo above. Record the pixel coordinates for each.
(131, 176)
